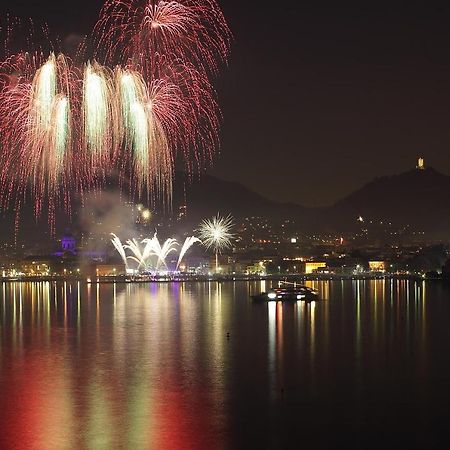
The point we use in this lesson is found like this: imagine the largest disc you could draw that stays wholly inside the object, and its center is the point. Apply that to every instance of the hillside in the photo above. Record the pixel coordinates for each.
(418, 198)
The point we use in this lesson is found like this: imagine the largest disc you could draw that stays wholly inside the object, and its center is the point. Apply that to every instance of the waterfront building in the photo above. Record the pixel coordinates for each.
(313, 266)
(377, 266)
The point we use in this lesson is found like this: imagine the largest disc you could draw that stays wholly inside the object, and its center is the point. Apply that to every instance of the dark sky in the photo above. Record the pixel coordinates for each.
(322, 96)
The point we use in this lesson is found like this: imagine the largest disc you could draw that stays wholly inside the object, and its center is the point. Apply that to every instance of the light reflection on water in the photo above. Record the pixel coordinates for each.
(199, 365)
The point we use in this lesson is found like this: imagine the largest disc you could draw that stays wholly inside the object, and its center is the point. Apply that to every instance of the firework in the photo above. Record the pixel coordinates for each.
(120, 248)
(152, 255)
(175, 46)
(216, 233)
(145, 144)
(154, 34)
(143, 255)
(98, 113)
(188, 243)
(65, 127)
(137, 255)
(161, 251)
(36, 133)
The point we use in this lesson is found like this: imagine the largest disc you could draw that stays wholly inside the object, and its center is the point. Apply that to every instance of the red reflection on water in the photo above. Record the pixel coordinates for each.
(35, 413)
(184, 419)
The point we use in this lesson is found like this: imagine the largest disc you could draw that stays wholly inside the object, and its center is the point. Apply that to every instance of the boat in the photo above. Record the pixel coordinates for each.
(287, 294)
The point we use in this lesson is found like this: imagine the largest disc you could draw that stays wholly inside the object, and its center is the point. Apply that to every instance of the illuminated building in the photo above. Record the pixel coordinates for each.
(258, 268)
(68, 244)
(420, 164)
(313, 266)
(35, 266)
(377, 266)
(110, 270)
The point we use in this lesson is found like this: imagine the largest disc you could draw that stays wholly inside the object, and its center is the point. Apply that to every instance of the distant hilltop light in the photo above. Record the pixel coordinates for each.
(420, 164)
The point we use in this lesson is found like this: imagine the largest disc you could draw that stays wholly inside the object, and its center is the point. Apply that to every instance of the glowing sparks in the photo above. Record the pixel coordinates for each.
(150, 254)
(152, 33)
(216, 233)
(188, 243)
(61, 133)
(120, 248)
(44, 92)
(97, 112)
(161, 251)
(66, 126)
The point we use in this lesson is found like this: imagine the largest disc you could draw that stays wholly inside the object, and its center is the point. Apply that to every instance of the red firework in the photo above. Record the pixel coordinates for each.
(148, 32)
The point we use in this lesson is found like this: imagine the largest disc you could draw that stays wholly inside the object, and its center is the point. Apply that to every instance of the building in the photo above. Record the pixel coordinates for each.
(35, 266)
(377, 266)
(313, 266)
(110, 270)
(68, 246)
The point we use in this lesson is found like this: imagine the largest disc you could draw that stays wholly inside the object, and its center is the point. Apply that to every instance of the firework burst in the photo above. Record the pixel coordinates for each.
(36, 133)
(153, 34)
(216, 233)
(65, 127)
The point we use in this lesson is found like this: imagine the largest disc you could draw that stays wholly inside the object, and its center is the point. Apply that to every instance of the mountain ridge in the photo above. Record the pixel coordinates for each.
(419, 199)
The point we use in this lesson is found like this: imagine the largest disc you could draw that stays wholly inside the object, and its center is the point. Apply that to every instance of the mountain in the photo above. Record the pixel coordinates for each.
(209, 195)
(419, 198)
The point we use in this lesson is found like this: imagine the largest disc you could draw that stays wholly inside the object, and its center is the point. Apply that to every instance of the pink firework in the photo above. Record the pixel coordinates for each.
(40, 107)
(36, 128)
(66, 128)
(143, 31)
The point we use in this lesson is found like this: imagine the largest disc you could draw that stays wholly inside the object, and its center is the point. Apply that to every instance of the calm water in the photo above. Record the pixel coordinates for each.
(151, 366)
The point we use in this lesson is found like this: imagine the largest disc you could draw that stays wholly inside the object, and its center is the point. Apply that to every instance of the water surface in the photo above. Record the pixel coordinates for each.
(200, 366)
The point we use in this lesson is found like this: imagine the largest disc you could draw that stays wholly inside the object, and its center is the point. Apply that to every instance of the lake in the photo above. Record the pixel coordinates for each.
(200, 366)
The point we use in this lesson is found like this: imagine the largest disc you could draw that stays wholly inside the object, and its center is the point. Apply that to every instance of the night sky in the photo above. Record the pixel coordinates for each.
(319, 97)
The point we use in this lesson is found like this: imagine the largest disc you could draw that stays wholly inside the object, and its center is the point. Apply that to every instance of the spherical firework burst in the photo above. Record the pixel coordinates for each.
(216, 233)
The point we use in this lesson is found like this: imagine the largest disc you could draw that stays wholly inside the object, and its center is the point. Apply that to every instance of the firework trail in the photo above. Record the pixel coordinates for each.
(144, 142)
(138, 257)
(153, 34)
(98, 113)
(188, 243)
(120, 248)
(36, 130)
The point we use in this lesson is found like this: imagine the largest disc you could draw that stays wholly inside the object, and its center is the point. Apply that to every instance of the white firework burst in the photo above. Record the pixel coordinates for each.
(216, 233)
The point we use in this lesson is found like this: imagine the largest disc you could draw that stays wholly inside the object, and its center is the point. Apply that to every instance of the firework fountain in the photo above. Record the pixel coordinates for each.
(150, 254)
(144, 96)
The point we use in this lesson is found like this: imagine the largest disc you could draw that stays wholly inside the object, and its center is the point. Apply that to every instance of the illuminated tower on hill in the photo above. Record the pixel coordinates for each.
(420, 164)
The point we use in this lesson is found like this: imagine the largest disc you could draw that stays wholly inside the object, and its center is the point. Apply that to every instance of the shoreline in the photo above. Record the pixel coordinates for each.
(125, 279)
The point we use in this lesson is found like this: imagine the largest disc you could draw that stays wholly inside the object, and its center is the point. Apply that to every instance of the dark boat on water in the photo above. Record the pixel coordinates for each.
(287, 294)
